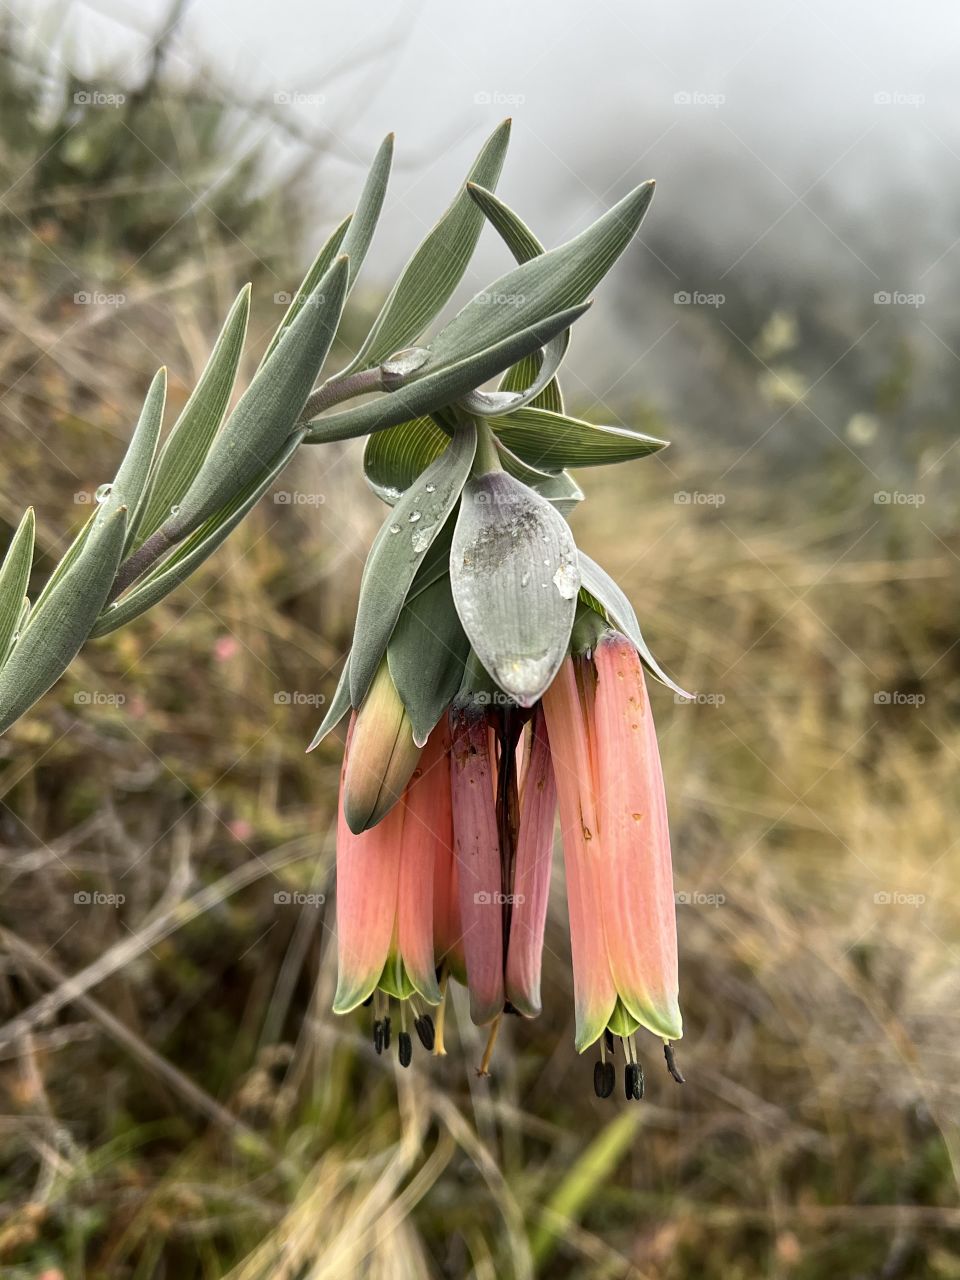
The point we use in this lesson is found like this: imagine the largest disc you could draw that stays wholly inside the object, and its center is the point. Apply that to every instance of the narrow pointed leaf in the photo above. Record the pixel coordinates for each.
(561, 491)
(513, 568)
(436, 384)
(426, 656)
(191, 553)
(367, 214)
(267, 413)
(546, 284)
(14, 578)
(339, 706)
(129, 489)
(317, 270)
(532, 379)
(189, 439)
(601, 593)
(437, 267)
(53, 636)
(398, 551)
(552, 441)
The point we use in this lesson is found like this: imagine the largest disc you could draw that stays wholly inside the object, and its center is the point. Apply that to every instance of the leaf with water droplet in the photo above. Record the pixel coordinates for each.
(501, 535)
(426, 656)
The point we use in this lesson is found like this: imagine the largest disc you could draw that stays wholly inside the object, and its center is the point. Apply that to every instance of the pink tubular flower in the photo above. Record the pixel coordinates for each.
(385, 899)
(616, 845)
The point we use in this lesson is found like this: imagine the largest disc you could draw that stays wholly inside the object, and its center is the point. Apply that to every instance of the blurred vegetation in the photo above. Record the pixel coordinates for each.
(192, 1109)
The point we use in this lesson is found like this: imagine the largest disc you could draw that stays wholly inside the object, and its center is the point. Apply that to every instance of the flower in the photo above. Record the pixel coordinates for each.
(616, 845)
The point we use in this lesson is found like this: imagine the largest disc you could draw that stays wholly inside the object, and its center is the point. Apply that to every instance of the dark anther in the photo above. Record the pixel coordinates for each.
(630, 1085)
(386, 1033)
(608, 1040)
(369, 1001)
(406, 1049)
(604, 1078)
(638, 1083)
(424, 1026)
(378, 1035)
(672, 1064)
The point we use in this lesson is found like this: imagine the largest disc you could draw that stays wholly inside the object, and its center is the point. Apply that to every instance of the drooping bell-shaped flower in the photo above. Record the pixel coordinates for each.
(616, 845)
(385, 938)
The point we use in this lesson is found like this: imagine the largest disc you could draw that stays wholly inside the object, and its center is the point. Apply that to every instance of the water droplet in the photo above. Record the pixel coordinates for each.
(567, 580)
(394, 528)
(103, 492)
(175, 511)
(524, 579)
(421, 539)
(431, 488)
(414, 516)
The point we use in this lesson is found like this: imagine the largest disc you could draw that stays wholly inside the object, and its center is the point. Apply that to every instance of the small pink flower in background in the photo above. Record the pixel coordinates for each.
(241, 829)
(226, 647)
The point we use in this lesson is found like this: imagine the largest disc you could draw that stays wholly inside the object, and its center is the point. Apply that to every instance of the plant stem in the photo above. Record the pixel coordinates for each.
(487, 458)
(335, 390)
(142, 559)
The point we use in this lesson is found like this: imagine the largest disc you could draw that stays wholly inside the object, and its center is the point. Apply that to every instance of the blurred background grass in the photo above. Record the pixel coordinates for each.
(191, 1109)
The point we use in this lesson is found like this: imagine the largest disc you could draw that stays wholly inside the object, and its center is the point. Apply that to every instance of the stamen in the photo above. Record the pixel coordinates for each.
(484, 1068)
(406, 1049)
(638, 1083)
(672, 1063)
(438, 1046)
(425, 1030)
(386, 1032)
(630, 1081)
(604, 1078)
(608, 1039)
(378, 1035)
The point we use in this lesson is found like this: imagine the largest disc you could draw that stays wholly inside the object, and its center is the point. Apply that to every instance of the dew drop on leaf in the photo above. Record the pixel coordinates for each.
(103, 492)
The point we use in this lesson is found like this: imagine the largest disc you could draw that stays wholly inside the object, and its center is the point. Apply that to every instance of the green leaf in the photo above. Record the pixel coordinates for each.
(318, 269)
(397, 552)
(441, 386)
(364, 223)
(393, 459)
(600, 592)
(437, 267)
(513, 568)
(268, 410)
(546, 284)
(524, 245)
(552, 441)
(54, 635)
(338, 707)
(187, 444)
(14, 579)
(426, 656)
(562, 491)
(129, 489)
(191, 553)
